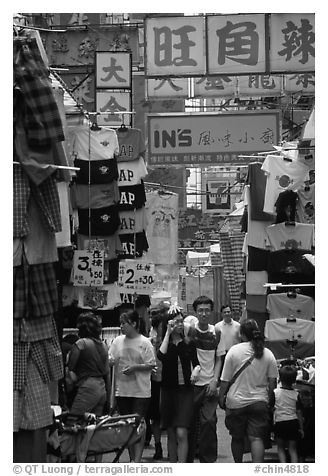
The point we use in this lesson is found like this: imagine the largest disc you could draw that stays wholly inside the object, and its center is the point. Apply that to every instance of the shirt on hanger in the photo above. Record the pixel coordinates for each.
(110, 245)
(284, 328)
(297, 236)
(133, 245)
(281, 175)
(305, 207)
(130, 173)
(86, 144)
(131, 144)
(281, 305)
(103, 221)
(101, 171)
(162, 229)
(132, 197)
(132, 221)
(102, 297)
(255, 281)
(257, 259)
(256, 179)
(94, 196)
(256, 229)
(290, 262)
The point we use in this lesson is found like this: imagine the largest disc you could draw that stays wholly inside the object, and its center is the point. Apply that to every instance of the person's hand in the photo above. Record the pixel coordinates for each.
(301, 432)
(170, 327)
(211, 389)
(111, 360)
(222, 402)
(194, 377)
(129, 369)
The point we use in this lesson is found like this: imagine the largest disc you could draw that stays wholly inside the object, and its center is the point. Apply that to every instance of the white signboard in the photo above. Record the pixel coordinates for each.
(215, 86)
(260, 85)
(300, 82)
(113, 70)
(167, 87)
(115, 102)
(292, 42)
(175, 46)
(136, 276)
(236, 44)
(210, 138)
(88, 268)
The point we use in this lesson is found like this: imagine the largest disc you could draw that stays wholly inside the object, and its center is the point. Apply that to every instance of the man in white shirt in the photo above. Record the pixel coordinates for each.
(229, 330)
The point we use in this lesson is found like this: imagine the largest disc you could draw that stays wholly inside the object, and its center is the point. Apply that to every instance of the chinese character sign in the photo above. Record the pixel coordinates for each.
(113, 70)
(215, 86)
(259, 85)
(136, 276)
(88, 268)
(113, 102)
(167, 87)
(175, 46)
(292, 42)
(236, 44)
(301, 82)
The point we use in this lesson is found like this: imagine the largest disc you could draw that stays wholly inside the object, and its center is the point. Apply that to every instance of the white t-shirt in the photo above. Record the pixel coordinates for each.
(285, 404)
(125, 351)
(305, 205)
(132, 221)
(102, 297)
(229, 333)
(103, 143)
(130, 173)
(298, 236)
(251, 385)
(255, 281)
(256, 230)
(284, 328)
(280, 305)
(281, 175)
(162, 229)
(207, 347)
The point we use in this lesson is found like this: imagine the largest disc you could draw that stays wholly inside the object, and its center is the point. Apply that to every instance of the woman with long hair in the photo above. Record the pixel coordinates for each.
(177, 355)
(88, 360)
(250, 396)
(134, 358)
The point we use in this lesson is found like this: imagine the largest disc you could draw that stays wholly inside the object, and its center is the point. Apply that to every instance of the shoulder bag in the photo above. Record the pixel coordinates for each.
(235, 376)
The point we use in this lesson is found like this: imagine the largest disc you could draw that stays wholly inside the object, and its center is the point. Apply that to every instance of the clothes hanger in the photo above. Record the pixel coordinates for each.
(292, 293)
(290, 223)
(95, 127)
(122, 128)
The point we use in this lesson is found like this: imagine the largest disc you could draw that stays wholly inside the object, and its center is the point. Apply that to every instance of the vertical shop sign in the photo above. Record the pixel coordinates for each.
(260, 85)
(113, 70)
(237, 44)
(302, 82)
(115, 102)
(292, 42)
(215, 86)
(175, 46)
(167, 87)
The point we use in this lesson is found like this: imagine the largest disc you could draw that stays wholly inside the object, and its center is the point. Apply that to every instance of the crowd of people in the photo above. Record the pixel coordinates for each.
(175, 370)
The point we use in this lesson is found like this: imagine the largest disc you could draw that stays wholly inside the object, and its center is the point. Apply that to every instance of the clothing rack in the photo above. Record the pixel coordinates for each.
(274, 286)
(62, 167)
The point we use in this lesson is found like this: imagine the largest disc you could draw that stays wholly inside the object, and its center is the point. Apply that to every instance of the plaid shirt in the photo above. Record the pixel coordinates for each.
(42, 119)
(32, 330)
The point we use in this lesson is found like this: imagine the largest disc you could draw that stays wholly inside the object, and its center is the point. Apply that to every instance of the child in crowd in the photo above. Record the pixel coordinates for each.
(288, 421)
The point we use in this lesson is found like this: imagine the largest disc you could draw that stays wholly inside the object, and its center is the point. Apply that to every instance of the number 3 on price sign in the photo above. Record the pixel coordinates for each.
(88, 268)
(136, 276)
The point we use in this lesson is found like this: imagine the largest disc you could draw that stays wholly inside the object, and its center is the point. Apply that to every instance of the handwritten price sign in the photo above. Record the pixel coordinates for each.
(88, 268)
(136, 276)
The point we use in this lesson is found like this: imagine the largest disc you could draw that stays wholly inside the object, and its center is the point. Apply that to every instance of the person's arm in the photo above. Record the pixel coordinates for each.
(222, 393)
(299, 414)
(212, 386)
(272, 383)
(73, 358)
(148, 364)
(164, 345)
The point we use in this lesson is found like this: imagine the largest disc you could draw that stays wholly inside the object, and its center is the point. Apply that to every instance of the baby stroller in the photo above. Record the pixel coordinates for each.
(84, 438)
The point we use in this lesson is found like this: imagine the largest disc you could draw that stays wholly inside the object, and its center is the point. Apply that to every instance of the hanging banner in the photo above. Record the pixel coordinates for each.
(260, 85)
(113, 70)
(88, 268)
(210, 138)
(136, 276)
(304, 83)
(292, 42)
(237, 44)
(215, 86)
(167, 88)
(175, 46)
(113, 102)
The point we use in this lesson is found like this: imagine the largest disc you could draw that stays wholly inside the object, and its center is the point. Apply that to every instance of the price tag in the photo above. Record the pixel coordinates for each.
(88, 268)
(136, 276)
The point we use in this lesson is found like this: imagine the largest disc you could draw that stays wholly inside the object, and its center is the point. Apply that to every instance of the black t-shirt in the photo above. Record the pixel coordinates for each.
(257, 259)
(256, 178)
(103, 221)
(133, 245)
(101, 171)
(132, 197)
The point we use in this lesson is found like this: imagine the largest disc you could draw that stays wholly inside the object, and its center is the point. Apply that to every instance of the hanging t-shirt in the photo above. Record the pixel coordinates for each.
(131, 145)
(305, 207)
(257, 259)
(257, 180)
(94, 196)
(281, 175)
(63, 237)
(130, 173)
(256, 229)
(86, 144)
(102, 298)
(255, 281)
(281, 305)
(110, 245)
(287, 328)
(132, 221)
(162, 229)
(103, 221)
(133, 245)
(289, 262)
(128, 352)
(297, 236)
(132, 197)
(101, 171)
(111, 271)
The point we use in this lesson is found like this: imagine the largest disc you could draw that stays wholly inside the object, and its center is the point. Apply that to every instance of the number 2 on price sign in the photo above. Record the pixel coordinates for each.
(130, 278)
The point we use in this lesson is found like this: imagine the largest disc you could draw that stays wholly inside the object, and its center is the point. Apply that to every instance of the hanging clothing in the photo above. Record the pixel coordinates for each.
(130, 173)
(101, 171)
(132, 197)
(281, 176)
(133, 245)
(131, 144)
(284, 328)
(100, 298)
(110, 245)
(86, 144)
(257, 180)
(132, 221)
(281, 305)
(286, 206)
(305, 207)
(297, 236)
(103, 221)
(94, 196)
